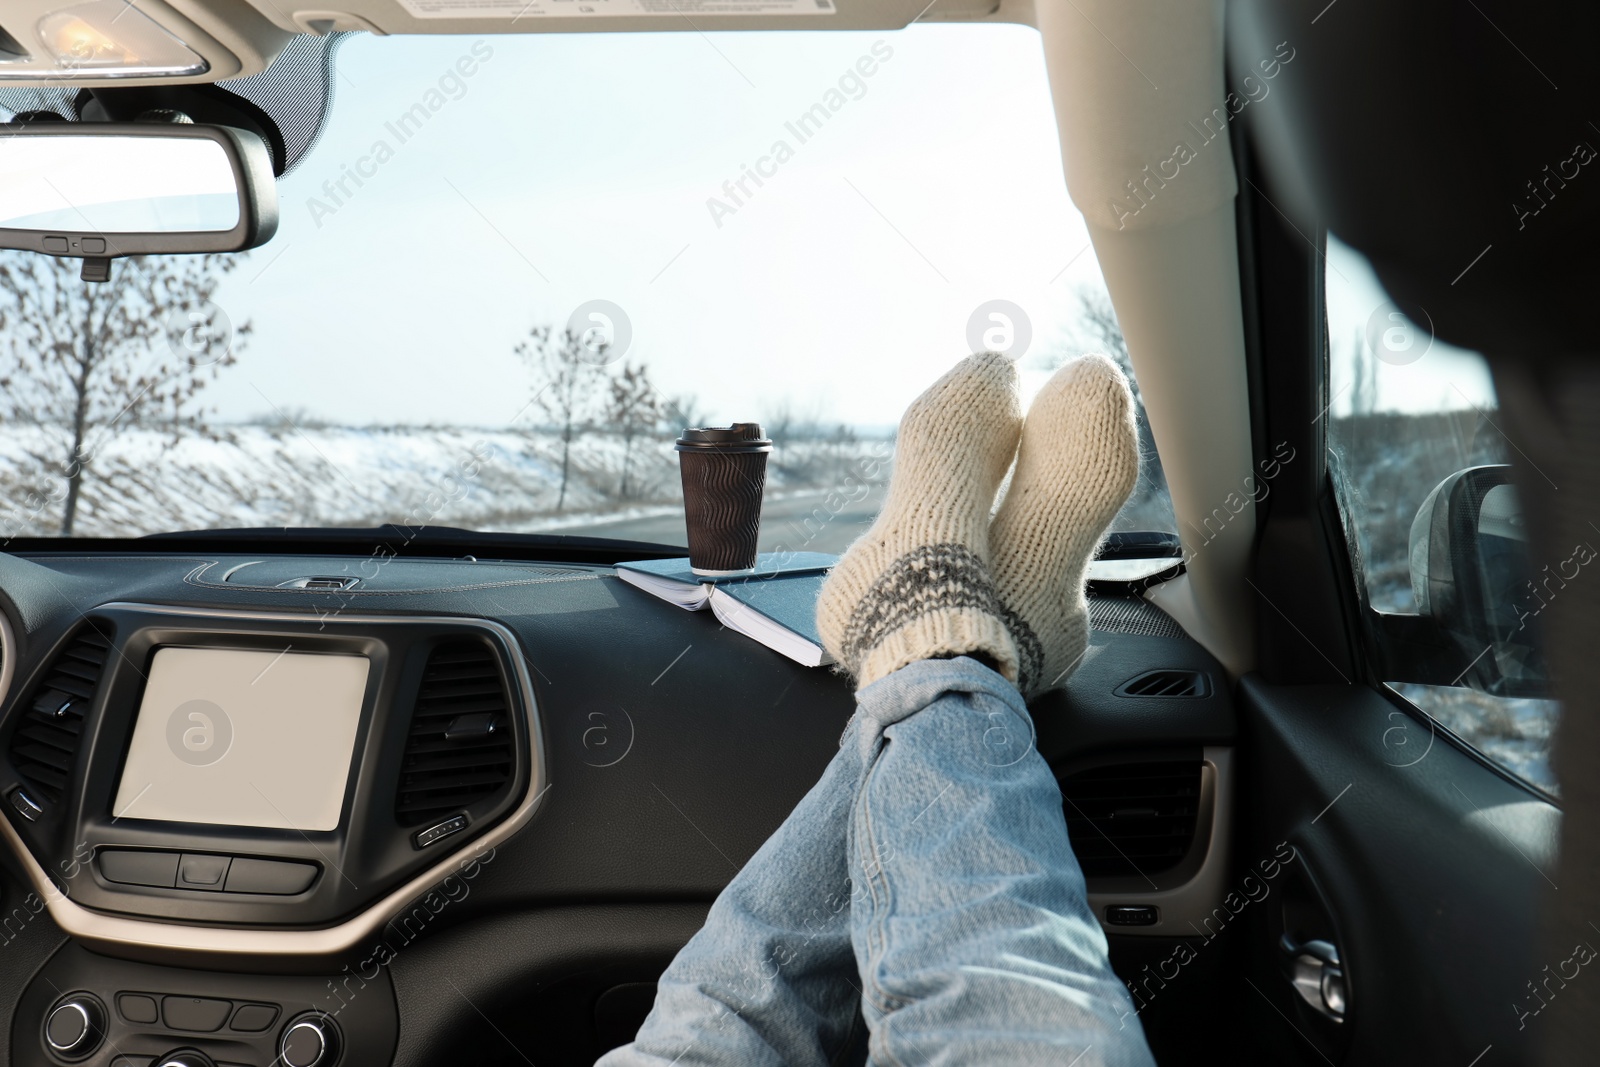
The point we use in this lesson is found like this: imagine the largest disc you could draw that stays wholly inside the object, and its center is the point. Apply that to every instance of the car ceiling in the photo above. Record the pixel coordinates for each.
(238, 38)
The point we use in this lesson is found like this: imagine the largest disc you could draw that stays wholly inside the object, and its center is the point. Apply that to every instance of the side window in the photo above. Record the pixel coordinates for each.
(1420, 460)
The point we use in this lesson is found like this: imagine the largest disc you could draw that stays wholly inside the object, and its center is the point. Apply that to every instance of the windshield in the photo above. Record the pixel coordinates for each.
(514, 268)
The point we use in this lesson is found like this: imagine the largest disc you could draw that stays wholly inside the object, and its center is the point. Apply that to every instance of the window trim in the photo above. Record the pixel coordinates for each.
(1383, 636)
(1464, 746)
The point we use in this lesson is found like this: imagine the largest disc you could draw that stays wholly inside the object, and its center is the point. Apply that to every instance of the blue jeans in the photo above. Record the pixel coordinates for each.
(925, 887)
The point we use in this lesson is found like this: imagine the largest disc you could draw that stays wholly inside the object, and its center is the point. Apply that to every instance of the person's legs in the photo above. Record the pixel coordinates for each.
(971, 925)
(970, 922)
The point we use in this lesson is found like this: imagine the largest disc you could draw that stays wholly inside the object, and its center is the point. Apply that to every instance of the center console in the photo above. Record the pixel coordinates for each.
(193, 789)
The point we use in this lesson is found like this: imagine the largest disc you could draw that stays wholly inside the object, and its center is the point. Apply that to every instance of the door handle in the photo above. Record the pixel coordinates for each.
(1314, 970)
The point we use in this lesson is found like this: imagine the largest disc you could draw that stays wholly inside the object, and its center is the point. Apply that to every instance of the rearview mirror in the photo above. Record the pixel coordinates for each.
(98, 190)
(1471, 574)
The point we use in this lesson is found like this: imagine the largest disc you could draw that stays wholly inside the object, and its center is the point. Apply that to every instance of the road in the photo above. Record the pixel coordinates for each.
(803, 522)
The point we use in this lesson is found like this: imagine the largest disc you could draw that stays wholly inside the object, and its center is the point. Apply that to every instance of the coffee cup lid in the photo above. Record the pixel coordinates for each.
(740, 437)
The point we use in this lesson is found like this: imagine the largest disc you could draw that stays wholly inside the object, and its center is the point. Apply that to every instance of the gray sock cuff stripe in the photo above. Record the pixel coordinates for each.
(1030, 650)
(924, 581)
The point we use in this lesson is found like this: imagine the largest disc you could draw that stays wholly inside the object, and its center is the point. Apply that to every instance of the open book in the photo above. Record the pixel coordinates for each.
(775, 604)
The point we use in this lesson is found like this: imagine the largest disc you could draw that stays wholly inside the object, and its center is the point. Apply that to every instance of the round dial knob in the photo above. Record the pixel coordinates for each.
(309, 1041)
(75, 1025)
(186, 1057)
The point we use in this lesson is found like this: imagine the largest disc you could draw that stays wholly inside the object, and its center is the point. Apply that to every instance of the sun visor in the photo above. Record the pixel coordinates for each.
(618, 16)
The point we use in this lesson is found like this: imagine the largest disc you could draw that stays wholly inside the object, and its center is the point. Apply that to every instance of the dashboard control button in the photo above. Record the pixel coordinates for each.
(139, 868)
(309, 1041)
(199, 1014)
(1132, 914)
(24, 805)
(451, 825)
(75, 1025)
(280, 877)
(254, 1018)
(202, 872)
(137, 1008)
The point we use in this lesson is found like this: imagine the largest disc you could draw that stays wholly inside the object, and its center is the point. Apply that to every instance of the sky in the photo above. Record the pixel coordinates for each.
(571, 168)
(574, 168)
(1419, 372)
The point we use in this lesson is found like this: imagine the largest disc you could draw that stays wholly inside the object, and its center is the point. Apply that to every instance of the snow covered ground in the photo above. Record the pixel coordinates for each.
(141, 482)
(1515, 732)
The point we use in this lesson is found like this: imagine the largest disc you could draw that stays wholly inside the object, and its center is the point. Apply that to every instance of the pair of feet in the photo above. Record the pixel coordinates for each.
(941, 572)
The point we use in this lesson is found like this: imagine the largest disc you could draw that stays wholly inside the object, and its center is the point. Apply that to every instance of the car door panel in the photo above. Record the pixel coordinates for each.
(1429, 862)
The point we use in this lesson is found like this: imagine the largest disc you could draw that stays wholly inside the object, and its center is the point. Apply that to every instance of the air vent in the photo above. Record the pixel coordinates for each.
(460, 748)
(1133, 819)
(1169, 683)
(45, 743)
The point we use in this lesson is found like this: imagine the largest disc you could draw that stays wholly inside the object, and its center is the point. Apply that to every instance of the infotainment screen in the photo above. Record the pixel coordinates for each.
(244, 738)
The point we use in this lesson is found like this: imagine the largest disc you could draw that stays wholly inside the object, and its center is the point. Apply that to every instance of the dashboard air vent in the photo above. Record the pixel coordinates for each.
(459, 750)
(1169, 683)
(1132, 819)
(45, 743)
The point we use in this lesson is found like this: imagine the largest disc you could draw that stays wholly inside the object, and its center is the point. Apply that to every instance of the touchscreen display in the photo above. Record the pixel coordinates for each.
(244, 738)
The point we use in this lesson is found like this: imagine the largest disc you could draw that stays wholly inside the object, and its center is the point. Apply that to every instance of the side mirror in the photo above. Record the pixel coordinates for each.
(1471, 575)
(99, 190)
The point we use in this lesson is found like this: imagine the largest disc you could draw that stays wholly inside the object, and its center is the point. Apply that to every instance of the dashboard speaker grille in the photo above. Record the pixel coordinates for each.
(45, 743)
(1131, 615)
(460, 748)
(1132, 819)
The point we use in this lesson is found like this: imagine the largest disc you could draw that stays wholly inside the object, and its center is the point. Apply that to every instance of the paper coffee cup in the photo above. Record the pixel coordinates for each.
(724, 470)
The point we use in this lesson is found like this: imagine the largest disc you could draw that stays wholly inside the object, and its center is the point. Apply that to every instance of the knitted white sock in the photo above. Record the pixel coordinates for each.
(1078, 461)
(916, 585)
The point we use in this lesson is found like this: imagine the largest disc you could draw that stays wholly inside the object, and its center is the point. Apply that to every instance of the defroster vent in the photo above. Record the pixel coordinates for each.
(460, 748)
(1132, 819)
(1167, 683)
(45, 743)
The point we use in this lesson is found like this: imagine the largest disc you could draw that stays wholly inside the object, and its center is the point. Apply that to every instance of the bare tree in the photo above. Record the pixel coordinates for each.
(634, 409)
(1098, 321)
(1363, 383)
(783, 425)
(682, 412)
(567, 388)
(788, 421)
(83, 362)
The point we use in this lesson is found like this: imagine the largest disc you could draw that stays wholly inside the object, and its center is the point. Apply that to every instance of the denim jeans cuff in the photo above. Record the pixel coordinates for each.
(916, 686)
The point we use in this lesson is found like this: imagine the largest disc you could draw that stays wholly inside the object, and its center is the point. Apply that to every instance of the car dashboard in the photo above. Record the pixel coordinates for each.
(470, 807)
